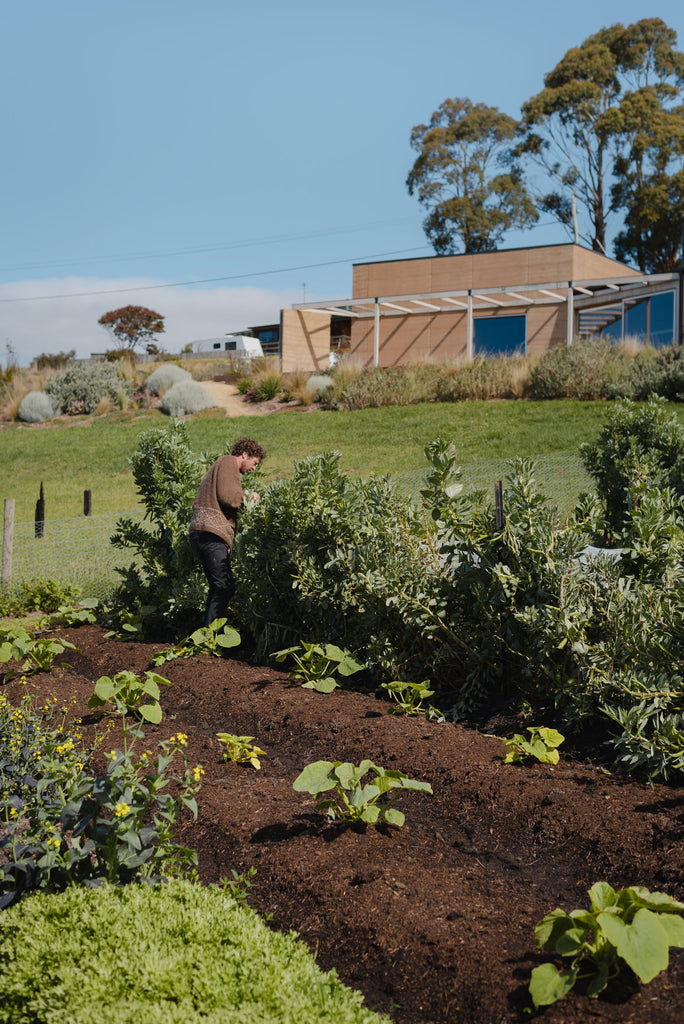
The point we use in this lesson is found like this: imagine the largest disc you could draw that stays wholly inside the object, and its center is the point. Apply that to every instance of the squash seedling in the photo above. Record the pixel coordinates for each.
(238, 749)
(542, 745)
(317, 665)
(214, 639)
(629, 928)
(126, 692)
(350, 800)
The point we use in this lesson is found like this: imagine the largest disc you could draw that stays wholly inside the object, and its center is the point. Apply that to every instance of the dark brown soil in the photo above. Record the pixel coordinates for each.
(433, 922)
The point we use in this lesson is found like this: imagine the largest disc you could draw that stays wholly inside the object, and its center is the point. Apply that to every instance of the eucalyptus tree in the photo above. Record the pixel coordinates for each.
(465, 176)
(581, 127)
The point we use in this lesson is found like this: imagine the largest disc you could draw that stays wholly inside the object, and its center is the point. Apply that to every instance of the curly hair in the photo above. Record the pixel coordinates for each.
(249, 445)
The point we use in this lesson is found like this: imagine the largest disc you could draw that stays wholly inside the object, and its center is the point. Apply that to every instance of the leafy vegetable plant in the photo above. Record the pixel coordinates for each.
(238, 749)
(36, 654)
(542, 745)
(352, 801)
(317, 664)
(631, 927)
(408, 698)
(213, 639)
(126, 693)
(75, 615)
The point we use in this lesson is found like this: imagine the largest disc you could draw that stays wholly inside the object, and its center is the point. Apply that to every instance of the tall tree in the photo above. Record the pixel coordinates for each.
(575, 128)
(649, 183)
(455, 177)
(132, 326)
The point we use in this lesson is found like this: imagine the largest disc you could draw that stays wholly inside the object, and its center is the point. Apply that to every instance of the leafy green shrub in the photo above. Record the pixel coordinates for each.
(638, 449)
(172, 954)
(164, 587)
(36, 407)
(584, 370)
(164, 376)
(352, 801)
(631, 928)
(186, 397)
(80, 388)
(46, 595)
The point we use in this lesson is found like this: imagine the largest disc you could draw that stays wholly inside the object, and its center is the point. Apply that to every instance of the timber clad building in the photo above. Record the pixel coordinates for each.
(450, 307)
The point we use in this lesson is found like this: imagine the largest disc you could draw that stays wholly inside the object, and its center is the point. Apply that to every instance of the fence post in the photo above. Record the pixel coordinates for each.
(7, 542)
(40, 513)
(87, 503)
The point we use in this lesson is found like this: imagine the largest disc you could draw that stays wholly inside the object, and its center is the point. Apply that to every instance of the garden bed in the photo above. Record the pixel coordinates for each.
(433, 922)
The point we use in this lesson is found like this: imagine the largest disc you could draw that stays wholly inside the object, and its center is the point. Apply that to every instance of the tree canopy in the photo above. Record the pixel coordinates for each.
(132, 326)
(606, 109)
(455, 177)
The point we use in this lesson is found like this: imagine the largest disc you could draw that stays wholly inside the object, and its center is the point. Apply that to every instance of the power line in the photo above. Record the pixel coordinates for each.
(213, 280)
(219, 247)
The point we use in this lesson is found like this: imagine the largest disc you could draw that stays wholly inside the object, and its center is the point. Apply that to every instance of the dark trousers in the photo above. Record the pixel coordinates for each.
(214, 554)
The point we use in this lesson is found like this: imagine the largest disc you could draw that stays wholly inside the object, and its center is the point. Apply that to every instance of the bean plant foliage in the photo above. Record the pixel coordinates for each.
(439, 592)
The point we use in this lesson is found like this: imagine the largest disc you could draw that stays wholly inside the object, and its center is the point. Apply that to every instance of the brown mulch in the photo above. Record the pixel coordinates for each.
(433, 922)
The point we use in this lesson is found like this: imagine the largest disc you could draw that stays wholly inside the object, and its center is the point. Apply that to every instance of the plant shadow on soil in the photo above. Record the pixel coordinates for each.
(434, 921)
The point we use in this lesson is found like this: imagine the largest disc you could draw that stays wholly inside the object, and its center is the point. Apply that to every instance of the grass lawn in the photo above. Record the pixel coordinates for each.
(71, 456)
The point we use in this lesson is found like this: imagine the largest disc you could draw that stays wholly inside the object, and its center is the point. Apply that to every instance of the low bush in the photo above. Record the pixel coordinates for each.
(172, 954)
(585, 370)
(164, 376)
(36, 407)
(375, 387)
(80, 388)
(186, 397)
(484, 379)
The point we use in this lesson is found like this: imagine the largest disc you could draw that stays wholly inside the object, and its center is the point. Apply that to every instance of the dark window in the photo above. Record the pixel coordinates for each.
(231, 346)
(217, 344)
(499, 335)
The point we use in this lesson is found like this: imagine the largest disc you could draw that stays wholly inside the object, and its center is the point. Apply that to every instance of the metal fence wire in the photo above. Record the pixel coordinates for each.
(79, 551)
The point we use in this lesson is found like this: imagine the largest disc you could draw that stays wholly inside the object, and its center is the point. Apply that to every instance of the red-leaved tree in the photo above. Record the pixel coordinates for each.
(132, 326)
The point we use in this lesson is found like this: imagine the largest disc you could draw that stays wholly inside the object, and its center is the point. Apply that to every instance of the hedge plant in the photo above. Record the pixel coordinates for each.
(177, 953)
(164, 376)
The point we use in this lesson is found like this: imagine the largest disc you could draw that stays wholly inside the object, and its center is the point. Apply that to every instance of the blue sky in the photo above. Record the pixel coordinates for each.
(217, 160)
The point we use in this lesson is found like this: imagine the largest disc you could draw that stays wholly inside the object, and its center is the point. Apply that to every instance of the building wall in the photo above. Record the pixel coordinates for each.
(442, 336)
(305, 340)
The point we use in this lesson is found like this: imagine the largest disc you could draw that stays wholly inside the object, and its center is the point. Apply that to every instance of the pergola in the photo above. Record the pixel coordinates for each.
(591, 305)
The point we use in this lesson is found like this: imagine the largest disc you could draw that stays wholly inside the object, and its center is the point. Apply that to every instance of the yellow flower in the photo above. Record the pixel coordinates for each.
(78, 766)
(198, 772)
(121, 810)
(182, 738)
(13, 812)
(112, 754)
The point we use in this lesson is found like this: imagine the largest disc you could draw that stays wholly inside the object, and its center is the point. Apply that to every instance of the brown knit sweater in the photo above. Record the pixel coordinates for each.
(218, 499)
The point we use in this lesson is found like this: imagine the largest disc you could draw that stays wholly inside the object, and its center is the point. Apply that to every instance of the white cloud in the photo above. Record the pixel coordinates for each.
(55, 316)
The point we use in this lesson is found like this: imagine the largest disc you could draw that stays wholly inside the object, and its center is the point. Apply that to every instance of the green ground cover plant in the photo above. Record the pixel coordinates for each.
(172, 954)
(631, 928)
(350, 800)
